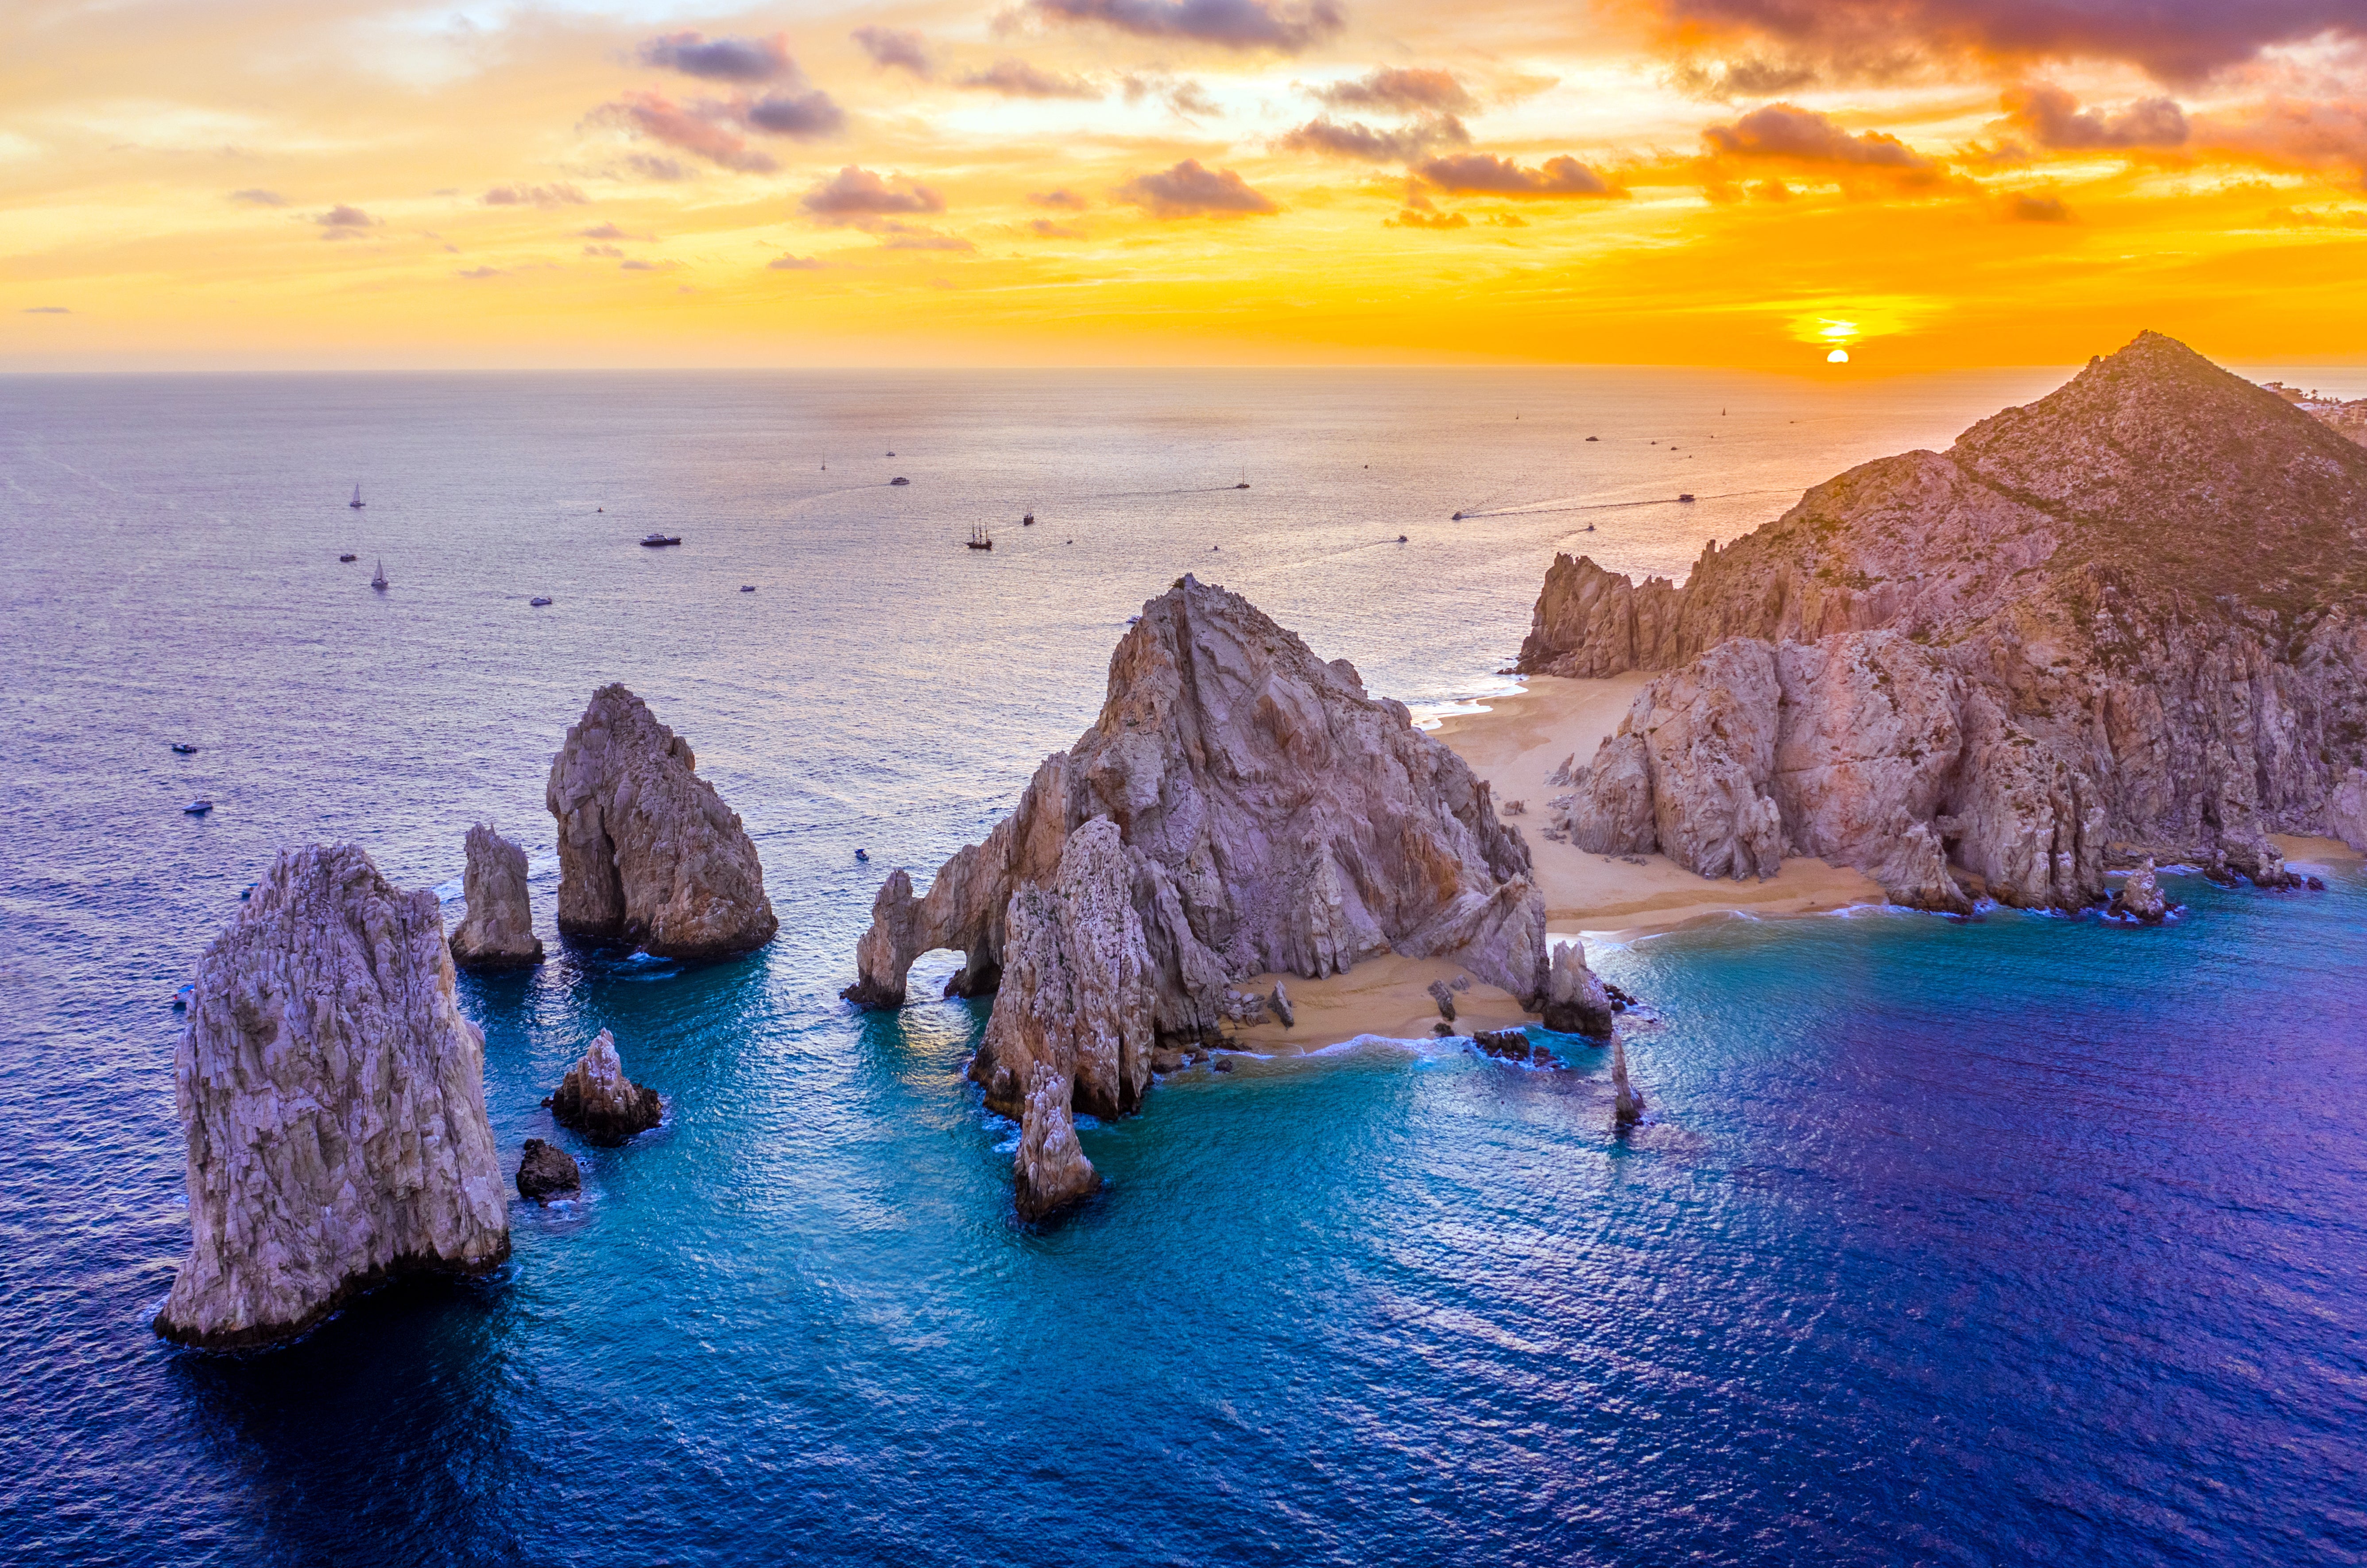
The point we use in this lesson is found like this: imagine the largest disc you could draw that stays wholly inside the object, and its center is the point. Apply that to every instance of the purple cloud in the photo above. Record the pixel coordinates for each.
(897, 47)
(856, 192)
(1485, 172)
(722, 59)
(1188, 190)
(1357, 139)
(1290, 26)
(2053, 117)
(535, 196)
(1015, 78)
(1401, 89)
(1781, 130)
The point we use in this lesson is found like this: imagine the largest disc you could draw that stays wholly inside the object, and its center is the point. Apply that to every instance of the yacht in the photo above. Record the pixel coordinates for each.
(358, 502)
(900, 479)
(349, 557)
(537, 602)
(656, 541)
(378, 579)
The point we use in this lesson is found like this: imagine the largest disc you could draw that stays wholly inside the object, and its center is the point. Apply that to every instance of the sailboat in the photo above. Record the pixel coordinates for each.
(378, 579)
(980, 539)
(358, 502)
(1245, 480)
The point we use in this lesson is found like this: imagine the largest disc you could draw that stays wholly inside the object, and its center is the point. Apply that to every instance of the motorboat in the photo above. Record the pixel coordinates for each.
(1594, 438)
(1456, 518)
(1401, 538)
(1028, 521)
(198, 807)
(349, 557)
(184, 748)
(183, 998)
(358, 502)
(747, 587)
(900, 479)
(1687, 495)
(378, 579)
(657, 541)
(862, 855)
(538, 601)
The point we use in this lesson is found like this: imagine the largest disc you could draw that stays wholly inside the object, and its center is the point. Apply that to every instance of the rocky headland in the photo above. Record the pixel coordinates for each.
(334, 1100)
(2123, 621)
(648, 853)
(497, 932)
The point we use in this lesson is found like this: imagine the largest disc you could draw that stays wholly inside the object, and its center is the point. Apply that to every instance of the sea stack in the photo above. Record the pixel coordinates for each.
(648, 853)
(1274, 818)
(334, 1103)
(547, 1171)
(498, 930)
(2140, 897)
(1626, 1105)
(2126, 612)
(1576, 1001)
(598, 1100)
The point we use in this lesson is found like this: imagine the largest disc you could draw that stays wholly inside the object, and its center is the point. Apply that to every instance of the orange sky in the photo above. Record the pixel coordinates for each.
(1926, 183)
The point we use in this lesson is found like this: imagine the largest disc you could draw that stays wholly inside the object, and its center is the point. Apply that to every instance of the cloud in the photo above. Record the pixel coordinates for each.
(1046, 229)
(1357, 139)
(45, 310)
(1781, 130)
(856, 192)
(342, 223)
(2176, 40)
(481, 272)
(602, 251)
(1063, 199)
(1285, 25)
(1014, 78)
(722, 59)
(2291, 133)
(656, 169)
(786, 262)
(2024, 208)
(639, 266)
(904, 238)
(1745, 78)
(1401, 89)
(1186, 98)
(901, 48)
(1411, 217)
(610, 231)
(1484, 172)
(258, 197)
(702, 128)
(535, 196)
(801, 115)
(1188, 190)
(2052, 118)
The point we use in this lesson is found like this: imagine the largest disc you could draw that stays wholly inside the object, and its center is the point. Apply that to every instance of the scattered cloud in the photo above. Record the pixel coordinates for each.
(1063, 199)
(1745, 78)
(900, 48)
(535, 196)
(1189, 190)
(1404, 90)
(342, 223)
(636, 264)
(1783, 131)
(748, 60)
(1485, 173)
(1357, 139)
(610, 231)
(1014, 78)
(480, 272)
(2293, 133)
(904, 238)
(258, 197)
(802, 115)
(2023, 206)
(1413, 217)
(788, 263)
(652, 167)
(45, 310)
(1288, 26)
(1185, 97)
(703, 129)
(602, 251)
(2053, 117)
(856, 192)
(1047, 228)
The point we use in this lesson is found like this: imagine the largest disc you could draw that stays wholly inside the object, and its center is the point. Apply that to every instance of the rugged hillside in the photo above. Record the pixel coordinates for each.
(2126, 619)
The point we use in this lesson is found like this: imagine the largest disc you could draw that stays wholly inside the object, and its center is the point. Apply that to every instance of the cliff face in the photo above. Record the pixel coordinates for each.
(1273, 817)
(648, 853)
(2126, 619)
(498, 930)
(334, 1103)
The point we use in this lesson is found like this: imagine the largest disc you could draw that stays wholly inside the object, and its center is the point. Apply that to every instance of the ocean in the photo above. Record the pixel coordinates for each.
(2025, 1239)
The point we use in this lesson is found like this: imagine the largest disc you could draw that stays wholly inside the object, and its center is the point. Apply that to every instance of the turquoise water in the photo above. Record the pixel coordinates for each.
(2025, 1239)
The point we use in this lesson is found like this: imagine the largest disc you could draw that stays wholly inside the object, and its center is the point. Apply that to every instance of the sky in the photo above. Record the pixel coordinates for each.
(1915, 183)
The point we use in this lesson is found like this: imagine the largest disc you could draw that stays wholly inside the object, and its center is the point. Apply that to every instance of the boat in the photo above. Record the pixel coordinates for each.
(247, 892)
(1687, 495)
(980, 539)
(538, 601)
(891, 454)
(900, 479)
(1588, 529)
(349, 557)
(1028, 521)
(747, 587)
(358, 502)
(198, 807)
(1594, 438)
(378, 579)
(1456, 518)
(657, 541)
(183, 998)
(862, 855)
(1401, 538)
(184, 748)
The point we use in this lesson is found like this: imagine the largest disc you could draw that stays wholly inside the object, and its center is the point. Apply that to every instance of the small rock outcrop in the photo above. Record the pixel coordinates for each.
(1576, 1000)
(1051, 1172)
(498, 930)
(2128, 613)
(1273, 817)
(1279, 1004)
(648, 853)
(547, 1171)
(1515, 1045)
(598, 1100)
(2140, 897)
(334, 1103)
(1444, 994)
(1626, 1105)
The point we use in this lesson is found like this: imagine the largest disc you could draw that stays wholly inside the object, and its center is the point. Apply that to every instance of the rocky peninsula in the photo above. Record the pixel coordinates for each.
(648, 853)
(333, 1099)
(498, 931)
(2123, 621)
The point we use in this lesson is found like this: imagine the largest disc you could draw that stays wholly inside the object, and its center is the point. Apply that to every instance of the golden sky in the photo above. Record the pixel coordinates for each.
(1920, 183)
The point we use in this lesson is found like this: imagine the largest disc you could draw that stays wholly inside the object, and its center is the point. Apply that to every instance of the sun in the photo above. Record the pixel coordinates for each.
(1837, 357)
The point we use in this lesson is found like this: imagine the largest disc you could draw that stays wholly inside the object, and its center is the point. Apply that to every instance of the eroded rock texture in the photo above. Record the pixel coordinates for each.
(1576, 1000)
(1272, 818)
(334, 1103)
(497, 932)
(648, 853)
(2124, 620)
(547, 1171)
(598, 1100)
(2140, 897)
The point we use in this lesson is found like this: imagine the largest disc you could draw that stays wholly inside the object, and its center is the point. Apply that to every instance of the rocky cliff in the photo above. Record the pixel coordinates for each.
(648, 853)
(334, 1103)
(498, 930)
(2124, 620)
(1272, 817)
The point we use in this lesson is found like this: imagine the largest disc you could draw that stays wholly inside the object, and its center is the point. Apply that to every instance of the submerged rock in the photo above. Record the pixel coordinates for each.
(2125, 612)
(598, 1100)
(1576, 1001)
(334, 1099)
(648, 853)
(1273, 819)
(547, 1171)
(1515, 1045)
(498, 930)
(2140, 897)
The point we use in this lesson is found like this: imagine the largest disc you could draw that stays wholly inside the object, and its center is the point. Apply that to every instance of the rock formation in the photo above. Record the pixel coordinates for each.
(1626, 1105)
(1279, 1005)
(1515, 1045)
(334, 1103)
(2140, 897)
(1576, 1003)
(1051, 1172)
(1444, 996)
(2126, 619)
(547, 1171)
(648, 853)
(1272, 818)
(598, 1100)
(498, 930)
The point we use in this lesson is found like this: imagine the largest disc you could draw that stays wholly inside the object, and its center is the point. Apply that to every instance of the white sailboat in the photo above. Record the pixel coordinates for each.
(358, 502)
(378, 580)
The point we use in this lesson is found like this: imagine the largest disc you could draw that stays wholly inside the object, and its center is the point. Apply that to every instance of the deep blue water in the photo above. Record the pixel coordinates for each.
(2022, 1240)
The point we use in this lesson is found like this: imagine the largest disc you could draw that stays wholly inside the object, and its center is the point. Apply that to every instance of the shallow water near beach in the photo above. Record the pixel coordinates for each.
(2019, 1239)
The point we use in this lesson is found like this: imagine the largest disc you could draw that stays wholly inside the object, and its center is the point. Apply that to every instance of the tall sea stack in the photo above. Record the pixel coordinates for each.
(497, 932)
(334, 1103)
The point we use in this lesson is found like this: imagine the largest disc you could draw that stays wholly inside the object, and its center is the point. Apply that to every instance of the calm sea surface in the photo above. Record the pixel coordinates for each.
(2023, 1240)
